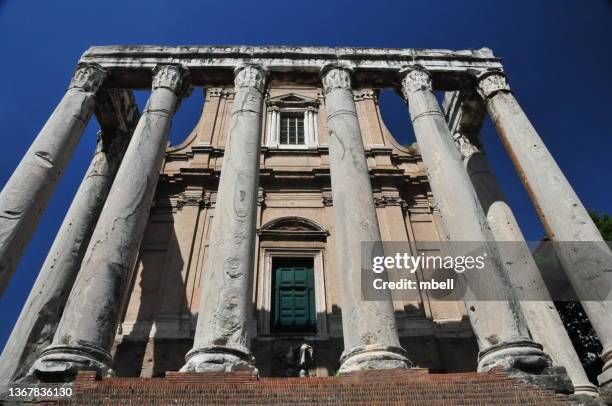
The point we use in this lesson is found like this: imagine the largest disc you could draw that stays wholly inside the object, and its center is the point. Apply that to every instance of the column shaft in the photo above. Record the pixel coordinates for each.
(43, 309)
(540, 313)
(87, 329)
(499, 325)
(28, 191)
(369, 329)
(221, 340)
(117, 113)
(584, 255)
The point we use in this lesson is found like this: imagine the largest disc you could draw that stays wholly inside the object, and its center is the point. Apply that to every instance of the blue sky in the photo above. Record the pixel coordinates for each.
(557, 53)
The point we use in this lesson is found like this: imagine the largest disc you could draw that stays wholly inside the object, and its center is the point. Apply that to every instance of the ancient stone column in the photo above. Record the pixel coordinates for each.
(499, 324)
(28, 191)
(369, 328)
(586, 258)
(221, 340)
(87, 329)
(117, 114)
(540, 313)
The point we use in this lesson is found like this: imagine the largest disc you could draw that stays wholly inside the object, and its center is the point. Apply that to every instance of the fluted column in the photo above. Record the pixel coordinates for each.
(28, 191)
(117, 114)
(87, 329)
(368, 327)
(221, 340)
(586, 258)
(540, 313)
(499, 325)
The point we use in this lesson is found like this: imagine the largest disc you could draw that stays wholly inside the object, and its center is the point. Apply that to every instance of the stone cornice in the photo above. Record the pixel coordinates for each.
(131, 66)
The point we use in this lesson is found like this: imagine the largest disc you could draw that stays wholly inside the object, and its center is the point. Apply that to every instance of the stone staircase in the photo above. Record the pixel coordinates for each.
(391, 387)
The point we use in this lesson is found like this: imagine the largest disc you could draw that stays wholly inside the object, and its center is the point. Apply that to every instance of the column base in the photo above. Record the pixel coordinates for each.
(586, 390)
(61, 363)
(219, 359)
(524, 360)
(373, 357)
(605, 378)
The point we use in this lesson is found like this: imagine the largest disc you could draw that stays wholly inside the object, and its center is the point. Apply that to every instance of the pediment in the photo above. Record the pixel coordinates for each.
(287, 227)
(292, 99)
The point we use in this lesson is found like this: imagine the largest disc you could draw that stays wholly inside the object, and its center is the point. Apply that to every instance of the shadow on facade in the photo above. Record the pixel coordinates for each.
(159, 339)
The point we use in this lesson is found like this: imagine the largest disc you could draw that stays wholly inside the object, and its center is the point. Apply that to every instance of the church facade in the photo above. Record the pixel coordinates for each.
(239, 250)
(294, 234)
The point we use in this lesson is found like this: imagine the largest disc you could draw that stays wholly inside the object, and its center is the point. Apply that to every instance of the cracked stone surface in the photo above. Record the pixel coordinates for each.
(226, 300)
(28, 191)
(562, 213)
(541, 315)
(364, 323)
(40, 315)
(90, 319)
(464, 220)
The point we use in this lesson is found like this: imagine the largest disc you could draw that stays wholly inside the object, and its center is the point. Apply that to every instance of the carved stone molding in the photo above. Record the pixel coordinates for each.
(336, 77)
(250, 76)
(384, 201)
(172, 77)
(415, 80)
(89, 78)
(327, 198)
(220, 92)
(359, 95)
(491, 84)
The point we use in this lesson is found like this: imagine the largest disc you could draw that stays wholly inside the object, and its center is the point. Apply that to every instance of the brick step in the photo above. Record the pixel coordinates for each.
(399, 387)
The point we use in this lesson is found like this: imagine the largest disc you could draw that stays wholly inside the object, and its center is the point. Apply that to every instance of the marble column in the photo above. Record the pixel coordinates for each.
(499, 325)
(221, 340)
(117, 114)
(586, 258)
(369, 329)
(28, 191)
(86, 331)
(540, 313)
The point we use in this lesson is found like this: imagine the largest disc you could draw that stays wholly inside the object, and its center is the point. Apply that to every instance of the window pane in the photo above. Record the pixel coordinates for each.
(292, 128)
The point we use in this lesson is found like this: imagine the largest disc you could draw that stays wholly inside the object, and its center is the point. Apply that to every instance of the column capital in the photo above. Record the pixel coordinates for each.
(415, 79)
(335, 76)
(88, 77)
(491, 83)
(250, 75)
(172, 77)
(465, 145)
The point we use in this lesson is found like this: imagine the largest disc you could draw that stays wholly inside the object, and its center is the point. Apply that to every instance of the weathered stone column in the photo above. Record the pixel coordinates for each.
(221, 340)
(499, 325)
(369, 328)
(540, 313)
(117, 114)
(87, 329)
(584, 255)
(28, 191)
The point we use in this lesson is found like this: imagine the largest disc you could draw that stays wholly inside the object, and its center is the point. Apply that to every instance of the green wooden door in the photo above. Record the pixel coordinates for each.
(294, 307)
